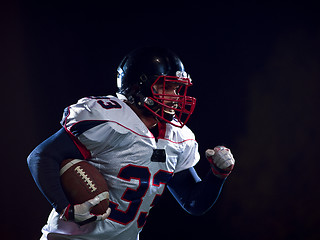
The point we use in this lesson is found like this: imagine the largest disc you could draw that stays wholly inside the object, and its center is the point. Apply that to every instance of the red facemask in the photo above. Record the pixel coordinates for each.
(172, 106)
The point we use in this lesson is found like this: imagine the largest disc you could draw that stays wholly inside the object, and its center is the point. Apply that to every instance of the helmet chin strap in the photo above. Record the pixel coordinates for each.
(166, 114)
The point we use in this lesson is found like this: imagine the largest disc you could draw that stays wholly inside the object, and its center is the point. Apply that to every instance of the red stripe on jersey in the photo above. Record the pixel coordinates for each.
(130, 129)
(180, 141)
(162, 131)
(83, 150)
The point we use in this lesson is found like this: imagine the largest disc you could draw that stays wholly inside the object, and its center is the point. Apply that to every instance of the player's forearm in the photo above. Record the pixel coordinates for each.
(196, 196)
(204, 194)
(45, 172)
(44, 164)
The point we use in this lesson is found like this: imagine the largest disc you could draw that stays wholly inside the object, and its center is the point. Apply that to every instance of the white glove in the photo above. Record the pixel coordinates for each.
(80, 213)
(221, 161)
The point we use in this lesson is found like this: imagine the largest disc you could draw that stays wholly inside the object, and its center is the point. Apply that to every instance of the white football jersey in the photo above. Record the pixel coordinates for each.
(136, 166)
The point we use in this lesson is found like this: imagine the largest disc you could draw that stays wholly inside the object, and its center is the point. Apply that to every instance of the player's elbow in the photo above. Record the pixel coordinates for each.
(196, 209)
(196, 213)
(31, 159)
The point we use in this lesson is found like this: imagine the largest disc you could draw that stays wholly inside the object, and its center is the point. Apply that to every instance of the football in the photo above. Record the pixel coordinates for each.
(81, 182)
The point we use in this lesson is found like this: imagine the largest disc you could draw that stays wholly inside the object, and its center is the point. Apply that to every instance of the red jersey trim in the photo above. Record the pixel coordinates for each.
(83, 150)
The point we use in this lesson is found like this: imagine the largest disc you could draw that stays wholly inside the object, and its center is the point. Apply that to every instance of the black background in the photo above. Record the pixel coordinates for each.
(256, 72)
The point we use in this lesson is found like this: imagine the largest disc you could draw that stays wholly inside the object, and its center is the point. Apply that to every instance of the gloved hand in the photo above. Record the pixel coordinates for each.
(221, 161)
(80, 213)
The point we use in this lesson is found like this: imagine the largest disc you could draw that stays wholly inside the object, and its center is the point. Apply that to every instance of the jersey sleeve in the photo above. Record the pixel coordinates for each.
(87, 123)
(189, 155)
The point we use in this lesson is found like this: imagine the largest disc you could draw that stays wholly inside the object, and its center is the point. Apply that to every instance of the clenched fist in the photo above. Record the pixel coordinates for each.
(221, 161)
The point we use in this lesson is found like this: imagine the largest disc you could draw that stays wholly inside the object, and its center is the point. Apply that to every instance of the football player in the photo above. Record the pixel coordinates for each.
(140, 144)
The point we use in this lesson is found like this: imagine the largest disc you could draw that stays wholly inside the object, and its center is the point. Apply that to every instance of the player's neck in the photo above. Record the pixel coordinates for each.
(149, 120)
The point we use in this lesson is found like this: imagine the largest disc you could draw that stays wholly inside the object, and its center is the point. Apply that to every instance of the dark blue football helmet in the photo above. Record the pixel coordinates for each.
(145, 67)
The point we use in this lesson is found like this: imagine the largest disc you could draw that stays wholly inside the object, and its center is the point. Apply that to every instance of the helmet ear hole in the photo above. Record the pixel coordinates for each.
(149, 102)
(143, 78)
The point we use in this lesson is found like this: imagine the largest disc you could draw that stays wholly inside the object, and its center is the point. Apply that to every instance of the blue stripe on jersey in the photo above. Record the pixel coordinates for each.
(80, 127)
